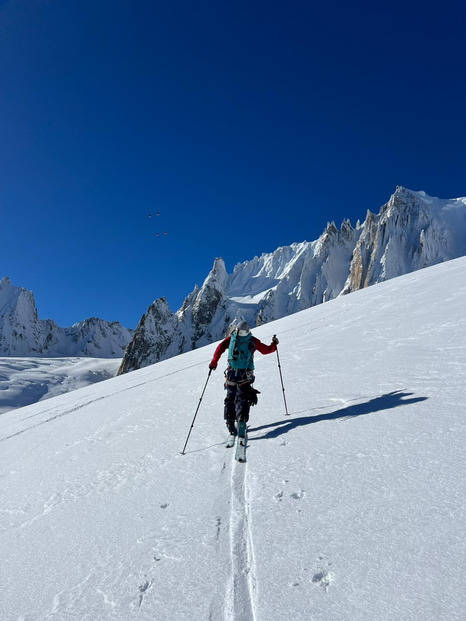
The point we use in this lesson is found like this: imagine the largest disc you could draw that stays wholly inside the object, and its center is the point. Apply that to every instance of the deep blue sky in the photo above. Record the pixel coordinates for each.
(247, 125)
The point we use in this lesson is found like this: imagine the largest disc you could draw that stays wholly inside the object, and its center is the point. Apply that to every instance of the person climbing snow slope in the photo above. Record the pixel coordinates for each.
(239, 374)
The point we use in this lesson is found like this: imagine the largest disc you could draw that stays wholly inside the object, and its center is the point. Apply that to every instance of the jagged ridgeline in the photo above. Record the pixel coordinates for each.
(410, 232)
(22, 333)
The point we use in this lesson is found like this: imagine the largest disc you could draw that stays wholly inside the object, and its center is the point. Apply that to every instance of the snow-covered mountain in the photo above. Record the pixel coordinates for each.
(350, 509)
(22, 333)
(410, 232)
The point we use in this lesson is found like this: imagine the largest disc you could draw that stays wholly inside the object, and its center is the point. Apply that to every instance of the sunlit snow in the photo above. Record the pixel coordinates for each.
(350, 509)
(27, 380)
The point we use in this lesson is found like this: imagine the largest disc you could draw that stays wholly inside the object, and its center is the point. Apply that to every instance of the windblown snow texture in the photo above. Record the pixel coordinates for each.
(411, 231)
(353, 507)
(24, 381)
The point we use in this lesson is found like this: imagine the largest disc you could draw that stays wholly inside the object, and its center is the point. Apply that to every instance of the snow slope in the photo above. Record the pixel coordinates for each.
(350, 509)
(27, 380)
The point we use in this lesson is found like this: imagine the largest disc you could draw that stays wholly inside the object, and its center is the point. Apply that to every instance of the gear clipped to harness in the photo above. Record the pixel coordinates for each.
(252, 396)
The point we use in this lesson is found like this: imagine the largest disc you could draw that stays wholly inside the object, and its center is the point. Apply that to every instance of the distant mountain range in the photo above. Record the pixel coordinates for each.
(23, 334)
(410, 232)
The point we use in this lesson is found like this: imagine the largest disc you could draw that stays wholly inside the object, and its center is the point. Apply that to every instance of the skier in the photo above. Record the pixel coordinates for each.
(239, 375)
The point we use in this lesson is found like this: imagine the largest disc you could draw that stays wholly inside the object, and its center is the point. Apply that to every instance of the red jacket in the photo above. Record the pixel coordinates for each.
(221, 347)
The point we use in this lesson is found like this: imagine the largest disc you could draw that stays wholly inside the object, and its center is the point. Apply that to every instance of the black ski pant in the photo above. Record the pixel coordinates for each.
(238, 385)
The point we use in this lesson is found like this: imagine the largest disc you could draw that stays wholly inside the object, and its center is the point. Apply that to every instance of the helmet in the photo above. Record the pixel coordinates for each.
(242, 328)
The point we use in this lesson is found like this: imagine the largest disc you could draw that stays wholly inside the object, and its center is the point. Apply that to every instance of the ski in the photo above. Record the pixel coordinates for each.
(241, 450)
(230, 441)
(240, 454)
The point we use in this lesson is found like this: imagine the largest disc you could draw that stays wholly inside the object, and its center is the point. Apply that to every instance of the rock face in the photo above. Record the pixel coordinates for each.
(161, 334)
(22, 333)
(410, 232)
(153, 336)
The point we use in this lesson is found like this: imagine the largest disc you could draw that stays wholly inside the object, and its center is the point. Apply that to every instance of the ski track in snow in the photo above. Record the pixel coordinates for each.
(241, 588)
(83, 405)
(234, 598)
(351, 509)
(241, 582)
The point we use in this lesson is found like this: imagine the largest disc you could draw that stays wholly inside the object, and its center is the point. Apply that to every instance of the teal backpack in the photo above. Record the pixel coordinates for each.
(241, 352)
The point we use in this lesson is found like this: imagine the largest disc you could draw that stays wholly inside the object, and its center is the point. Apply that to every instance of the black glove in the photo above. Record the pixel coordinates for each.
(212, 366)
(252, 396)
(275, 340)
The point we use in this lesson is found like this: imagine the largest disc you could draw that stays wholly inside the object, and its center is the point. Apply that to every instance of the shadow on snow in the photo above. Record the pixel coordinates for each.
(377, 404)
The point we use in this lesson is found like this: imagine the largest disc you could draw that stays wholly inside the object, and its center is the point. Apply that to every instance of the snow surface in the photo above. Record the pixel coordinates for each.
(352, 508)
(27, 380)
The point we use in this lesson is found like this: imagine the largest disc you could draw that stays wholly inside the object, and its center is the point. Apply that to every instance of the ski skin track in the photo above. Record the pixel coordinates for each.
(241, 587)
(240, 578)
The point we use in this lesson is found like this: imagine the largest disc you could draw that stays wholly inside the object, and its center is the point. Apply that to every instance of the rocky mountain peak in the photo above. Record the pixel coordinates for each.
(22, 333)
(16, 300)
(412, 230)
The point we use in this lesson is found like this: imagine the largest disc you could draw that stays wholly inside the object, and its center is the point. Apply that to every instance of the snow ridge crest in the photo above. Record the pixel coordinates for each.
(23, 334)
(411, 231)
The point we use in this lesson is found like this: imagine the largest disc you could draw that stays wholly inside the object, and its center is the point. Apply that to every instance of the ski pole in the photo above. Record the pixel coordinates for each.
(197, 410)
(281, 378)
